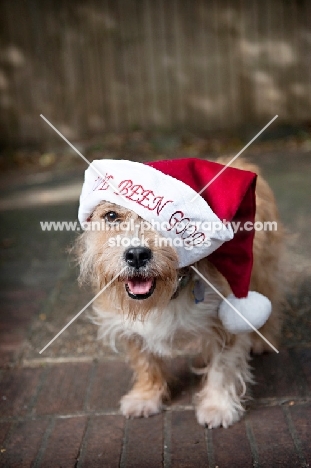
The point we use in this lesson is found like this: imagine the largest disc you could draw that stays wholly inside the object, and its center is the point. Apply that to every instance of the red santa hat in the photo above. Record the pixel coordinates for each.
(169, 195)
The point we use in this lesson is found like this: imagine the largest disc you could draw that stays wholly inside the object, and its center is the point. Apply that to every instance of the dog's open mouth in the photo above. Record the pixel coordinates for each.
(140, 288)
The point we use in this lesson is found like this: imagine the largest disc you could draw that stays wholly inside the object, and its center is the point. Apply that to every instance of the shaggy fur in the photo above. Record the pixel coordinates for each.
(161, 326)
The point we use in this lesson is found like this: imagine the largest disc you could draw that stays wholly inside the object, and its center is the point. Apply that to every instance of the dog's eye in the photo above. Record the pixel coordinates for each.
(112, 217)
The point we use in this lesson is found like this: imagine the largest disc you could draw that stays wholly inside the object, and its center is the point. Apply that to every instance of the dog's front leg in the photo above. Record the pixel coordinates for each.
(219, 403)
(150, 387)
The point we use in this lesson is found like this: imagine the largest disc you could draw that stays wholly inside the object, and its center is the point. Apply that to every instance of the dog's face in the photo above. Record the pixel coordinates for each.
(119, 244)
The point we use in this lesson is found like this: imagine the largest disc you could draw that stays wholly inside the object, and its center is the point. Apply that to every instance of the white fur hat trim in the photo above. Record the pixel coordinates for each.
(157, 198)
(238, 317)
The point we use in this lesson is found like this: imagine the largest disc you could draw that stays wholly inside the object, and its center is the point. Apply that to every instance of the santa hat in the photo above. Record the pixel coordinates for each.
(170, 195)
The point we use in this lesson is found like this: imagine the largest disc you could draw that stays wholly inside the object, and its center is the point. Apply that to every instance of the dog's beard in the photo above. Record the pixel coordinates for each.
(134, 292)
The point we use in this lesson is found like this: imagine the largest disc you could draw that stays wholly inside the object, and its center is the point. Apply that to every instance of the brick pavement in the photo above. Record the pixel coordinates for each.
(61, 409)
(67, 415)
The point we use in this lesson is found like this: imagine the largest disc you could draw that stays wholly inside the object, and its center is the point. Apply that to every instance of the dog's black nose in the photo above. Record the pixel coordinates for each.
(137, 256)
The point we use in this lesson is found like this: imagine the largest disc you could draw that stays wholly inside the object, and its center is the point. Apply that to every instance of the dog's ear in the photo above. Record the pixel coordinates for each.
(208, 270)
(76, 248)
(79, 255)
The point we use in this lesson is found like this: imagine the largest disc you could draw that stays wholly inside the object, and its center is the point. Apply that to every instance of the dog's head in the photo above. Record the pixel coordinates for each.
(120, 247)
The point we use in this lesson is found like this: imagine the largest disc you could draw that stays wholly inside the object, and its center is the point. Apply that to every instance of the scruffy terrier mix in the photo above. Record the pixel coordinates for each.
(159, 307)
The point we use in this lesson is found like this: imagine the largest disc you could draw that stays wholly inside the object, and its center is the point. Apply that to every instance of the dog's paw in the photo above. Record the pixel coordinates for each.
(135, 405)
(218, 412)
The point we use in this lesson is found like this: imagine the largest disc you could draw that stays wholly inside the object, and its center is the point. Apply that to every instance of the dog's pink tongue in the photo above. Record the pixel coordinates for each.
(139, 285)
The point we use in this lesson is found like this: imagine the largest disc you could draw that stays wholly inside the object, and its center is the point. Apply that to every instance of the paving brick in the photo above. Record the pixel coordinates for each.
(11, 342)
(301, 417)
(304, 356)
(23, 444)
(273, 439)
(64, 389)
(188, 446)
(103, 442)
(18, 388)
(18, 309)
(144, 446)
(64, 443)
(275, 376)
(111, 381)
(231, 446)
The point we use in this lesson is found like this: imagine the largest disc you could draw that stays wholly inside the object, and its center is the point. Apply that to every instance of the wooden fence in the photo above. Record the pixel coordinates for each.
(112, 65)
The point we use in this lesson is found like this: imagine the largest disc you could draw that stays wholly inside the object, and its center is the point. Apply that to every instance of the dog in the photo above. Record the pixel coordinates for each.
(148, 306)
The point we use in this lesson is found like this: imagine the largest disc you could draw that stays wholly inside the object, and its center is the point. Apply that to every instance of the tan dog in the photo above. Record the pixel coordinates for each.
(150, 308)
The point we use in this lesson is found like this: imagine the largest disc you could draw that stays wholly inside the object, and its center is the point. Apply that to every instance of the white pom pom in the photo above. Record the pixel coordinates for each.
(255, 308)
